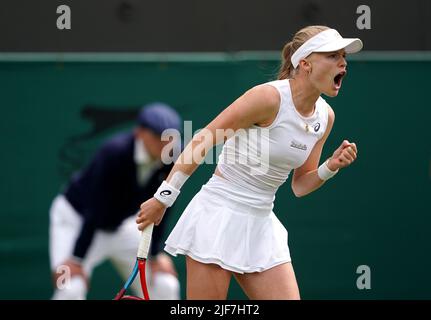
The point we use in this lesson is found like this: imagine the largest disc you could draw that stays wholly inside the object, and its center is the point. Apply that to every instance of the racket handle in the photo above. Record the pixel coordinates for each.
(144, 243)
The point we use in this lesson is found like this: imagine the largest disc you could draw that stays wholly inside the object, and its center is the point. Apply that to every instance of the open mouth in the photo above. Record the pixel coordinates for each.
(338, 79)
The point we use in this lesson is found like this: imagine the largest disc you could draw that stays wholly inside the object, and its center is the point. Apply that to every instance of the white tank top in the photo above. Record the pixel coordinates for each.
(261, 158)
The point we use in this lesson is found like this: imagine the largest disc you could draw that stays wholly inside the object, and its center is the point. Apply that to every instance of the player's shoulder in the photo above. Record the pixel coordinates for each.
(266, 95)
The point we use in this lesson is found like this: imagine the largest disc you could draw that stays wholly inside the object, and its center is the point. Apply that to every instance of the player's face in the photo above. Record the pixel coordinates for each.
(328, 70)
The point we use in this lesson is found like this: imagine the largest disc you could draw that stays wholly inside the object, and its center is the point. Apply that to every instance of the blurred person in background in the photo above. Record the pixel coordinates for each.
(93, 220)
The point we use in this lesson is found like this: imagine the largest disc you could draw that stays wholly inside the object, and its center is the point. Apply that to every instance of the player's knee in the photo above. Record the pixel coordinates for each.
(74, 289)
(166, 287)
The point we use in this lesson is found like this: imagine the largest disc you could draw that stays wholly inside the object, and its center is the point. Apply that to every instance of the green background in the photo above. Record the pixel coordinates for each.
(374, 213)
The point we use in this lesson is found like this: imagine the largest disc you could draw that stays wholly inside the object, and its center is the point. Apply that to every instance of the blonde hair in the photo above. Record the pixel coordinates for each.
(286, 69)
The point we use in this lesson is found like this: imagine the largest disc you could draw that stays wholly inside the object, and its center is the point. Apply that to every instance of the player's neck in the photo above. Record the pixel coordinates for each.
(304, 96)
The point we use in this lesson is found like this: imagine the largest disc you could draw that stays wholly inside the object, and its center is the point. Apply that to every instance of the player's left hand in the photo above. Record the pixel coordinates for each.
(343, 156)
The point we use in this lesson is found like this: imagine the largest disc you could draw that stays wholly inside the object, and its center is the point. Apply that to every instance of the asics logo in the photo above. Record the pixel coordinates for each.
(165, 193)
(316, 127)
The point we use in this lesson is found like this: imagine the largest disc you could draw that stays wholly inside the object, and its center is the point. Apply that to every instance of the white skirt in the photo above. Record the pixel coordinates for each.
(230, 226)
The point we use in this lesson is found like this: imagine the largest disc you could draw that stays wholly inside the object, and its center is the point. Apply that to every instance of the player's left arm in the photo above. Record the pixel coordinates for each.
(305, 178)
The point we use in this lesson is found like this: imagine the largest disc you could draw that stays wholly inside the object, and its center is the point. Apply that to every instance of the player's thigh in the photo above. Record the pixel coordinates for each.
(277, 283)
(206, 281)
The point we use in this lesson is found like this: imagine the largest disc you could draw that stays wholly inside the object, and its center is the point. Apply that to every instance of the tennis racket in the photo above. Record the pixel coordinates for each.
(144, 246)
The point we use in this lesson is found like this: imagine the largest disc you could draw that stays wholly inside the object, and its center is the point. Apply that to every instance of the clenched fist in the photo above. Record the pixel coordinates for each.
(343, 156)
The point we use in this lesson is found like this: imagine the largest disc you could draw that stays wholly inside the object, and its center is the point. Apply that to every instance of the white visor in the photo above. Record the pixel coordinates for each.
(326, 41)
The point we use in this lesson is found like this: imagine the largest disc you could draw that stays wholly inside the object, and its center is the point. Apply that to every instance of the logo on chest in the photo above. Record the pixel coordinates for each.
(316, 127)
(297, 145)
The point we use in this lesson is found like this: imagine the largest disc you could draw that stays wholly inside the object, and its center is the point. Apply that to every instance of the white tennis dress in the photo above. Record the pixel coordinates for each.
(230, 221)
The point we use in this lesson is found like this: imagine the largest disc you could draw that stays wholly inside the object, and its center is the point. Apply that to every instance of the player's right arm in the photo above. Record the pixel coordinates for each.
(258, 106)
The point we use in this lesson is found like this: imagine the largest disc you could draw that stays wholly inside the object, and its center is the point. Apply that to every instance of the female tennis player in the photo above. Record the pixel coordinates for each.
(229, 227)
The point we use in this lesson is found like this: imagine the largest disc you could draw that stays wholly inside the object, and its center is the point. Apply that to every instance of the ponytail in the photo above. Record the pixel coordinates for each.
(286, 68)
